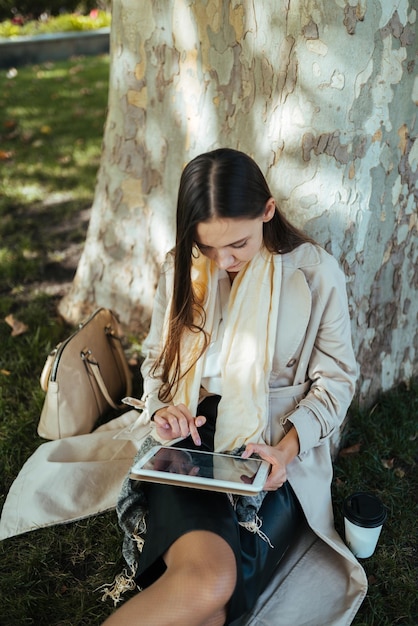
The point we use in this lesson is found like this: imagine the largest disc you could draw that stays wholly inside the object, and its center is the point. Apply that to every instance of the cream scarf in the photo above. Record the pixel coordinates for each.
(247, 348)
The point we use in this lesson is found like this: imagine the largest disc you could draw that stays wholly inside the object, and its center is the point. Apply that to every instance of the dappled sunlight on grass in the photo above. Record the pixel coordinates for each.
(51, 127)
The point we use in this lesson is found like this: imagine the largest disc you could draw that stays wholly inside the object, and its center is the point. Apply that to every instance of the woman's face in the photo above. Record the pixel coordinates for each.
(232, 242)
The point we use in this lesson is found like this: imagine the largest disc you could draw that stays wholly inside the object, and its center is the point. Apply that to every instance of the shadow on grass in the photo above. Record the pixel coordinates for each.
(379, 454)
(42, 254)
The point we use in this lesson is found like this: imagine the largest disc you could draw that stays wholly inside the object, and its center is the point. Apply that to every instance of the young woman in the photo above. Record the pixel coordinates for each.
(249, 351)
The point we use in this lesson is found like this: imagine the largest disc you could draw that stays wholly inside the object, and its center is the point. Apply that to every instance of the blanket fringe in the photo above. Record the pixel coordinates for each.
(125, 581)
(255, 527)
(137, 535)
(122, 582)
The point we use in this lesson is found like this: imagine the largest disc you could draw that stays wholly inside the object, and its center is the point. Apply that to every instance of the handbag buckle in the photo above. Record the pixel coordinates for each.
(86, 355)
(109, 330)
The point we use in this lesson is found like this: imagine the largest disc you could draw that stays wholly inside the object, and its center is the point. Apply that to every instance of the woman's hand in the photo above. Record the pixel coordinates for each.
(278, 456)
(176, 421)
(277, 476)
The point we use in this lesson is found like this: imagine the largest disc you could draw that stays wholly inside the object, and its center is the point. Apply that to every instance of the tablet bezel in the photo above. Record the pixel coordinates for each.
(199, 482)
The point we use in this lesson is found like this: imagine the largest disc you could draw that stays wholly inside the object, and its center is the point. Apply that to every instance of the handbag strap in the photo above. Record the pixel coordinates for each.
(93, 366)
(113, 337)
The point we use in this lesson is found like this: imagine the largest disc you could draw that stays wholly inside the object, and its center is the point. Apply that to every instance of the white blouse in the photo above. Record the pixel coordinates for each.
(211, 377)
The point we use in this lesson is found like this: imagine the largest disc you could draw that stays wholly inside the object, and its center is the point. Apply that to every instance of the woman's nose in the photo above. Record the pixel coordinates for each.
(224, 259)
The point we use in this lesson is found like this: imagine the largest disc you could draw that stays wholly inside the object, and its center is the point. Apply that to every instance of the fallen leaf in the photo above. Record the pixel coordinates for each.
(5, 372)
(388, 463)
(400, 473)
(372, 580)
(75, 69)
(18, 328)
(5, 155)
(13, 135)
(354, 449)
(45, 129)
(27, 136)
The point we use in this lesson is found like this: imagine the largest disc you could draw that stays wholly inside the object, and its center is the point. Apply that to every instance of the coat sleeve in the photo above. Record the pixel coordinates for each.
(152, 345)
(332, 365)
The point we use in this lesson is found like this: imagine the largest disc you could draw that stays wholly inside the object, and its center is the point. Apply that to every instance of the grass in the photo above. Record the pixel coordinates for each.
(51, 127)
(379, 454)
(50, 138)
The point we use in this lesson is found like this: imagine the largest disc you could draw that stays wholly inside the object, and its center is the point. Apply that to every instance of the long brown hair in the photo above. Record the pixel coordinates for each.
(224, 183)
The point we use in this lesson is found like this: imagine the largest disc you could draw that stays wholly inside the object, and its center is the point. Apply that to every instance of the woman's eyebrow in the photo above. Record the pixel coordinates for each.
(234, 243)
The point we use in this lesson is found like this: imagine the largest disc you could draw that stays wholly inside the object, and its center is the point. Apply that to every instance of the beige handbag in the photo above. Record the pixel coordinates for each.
(83, 377)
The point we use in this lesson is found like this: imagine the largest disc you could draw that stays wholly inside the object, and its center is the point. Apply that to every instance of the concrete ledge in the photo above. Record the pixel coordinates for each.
(55, 47)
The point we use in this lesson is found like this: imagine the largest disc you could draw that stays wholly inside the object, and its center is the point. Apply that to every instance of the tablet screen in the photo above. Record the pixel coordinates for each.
(210, 470)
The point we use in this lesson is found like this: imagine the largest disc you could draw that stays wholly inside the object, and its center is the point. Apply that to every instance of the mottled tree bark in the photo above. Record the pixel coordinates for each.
(323, 94)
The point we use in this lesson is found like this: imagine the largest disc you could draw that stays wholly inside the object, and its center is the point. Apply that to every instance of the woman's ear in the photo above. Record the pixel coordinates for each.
(270, 210)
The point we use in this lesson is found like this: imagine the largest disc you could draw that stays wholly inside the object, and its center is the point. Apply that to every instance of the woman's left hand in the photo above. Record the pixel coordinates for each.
(278, 456)
(277, 476)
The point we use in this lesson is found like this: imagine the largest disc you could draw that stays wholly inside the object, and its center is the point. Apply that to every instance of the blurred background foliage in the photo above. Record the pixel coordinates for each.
(68, 22)
(30, 10)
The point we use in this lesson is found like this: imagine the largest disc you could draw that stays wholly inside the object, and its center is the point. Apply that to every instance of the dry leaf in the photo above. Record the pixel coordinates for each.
(5, 372)
(355, 449)
(400, 473)
(5, 155)
(388, 463)
(18, 328)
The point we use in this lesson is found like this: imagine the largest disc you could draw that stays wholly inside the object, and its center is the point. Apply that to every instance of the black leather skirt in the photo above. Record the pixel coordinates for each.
(174, 511)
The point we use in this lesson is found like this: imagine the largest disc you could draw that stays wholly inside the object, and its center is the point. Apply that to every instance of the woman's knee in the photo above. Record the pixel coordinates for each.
(206, 563)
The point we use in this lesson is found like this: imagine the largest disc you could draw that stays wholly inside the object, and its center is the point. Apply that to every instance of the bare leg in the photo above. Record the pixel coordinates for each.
(194, 590)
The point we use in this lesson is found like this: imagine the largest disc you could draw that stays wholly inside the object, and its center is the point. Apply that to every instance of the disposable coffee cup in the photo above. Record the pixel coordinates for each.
(364, 516)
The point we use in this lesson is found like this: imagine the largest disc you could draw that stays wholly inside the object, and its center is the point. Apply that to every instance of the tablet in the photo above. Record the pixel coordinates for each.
(202, 470)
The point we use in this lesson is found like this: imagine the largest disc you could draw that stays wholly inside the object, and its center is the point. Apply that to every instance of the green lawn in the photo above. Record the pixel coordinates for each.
(51, 127)
(51, 122)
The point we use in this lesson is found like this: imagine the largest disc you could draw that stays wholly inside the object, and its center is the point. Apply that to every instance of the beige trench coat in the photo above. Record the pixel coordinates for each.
(311, 386)
(319, 582)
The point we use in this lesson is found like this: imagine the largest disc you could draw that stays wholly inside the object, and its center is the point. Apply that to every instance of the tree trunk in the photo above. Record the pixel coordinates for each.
(322, 94)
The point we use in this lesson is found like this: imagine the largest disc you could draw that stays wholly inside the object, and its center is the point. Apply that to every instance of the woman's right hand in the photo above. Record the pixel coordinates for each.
(176, 421)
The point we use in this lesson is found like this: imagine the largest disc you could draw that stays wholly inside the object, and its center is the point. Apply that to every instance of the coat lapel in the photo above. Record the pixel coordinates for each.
(295, 306)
